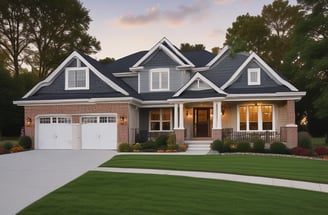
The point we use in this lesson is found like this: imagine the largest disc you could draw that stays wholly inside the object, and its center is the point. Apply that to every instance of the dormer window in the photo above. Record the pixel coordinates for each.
(254, 76)
(77, 78)
(159, 79)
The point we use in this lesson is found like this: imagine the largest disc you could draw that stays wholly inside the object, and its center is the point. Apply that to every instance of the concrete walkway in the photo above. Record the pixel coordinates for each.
(27, 176)
(227, 177)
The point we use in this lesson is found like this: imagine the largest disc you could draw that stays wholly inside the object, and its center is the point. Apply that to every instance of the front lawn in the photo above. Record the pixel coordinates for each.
(122, 193)
(277, 167)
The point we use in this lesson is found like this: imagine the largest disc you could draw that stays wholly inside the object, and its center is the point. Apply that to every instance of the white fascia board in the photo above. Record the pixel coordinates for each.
(125, 74)
(266, 69)
(201, 69)
(177, 51)
(266, 96)
(136, 69)
(196, 99)
(201, 77)
(218, 56)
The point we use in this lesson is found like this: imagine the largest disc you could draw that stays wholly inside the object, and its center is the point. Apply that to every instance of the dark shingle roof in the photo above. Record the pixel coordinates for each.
(199, 58)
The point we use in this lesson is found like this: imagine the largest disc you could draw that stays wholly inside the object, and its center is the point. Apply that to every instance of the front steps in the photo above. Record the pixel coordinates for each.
(199, 146)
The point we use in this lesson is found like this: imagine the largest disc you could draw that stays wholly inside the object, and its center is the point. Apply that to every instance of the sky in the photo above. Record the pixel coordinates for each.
(124, 27)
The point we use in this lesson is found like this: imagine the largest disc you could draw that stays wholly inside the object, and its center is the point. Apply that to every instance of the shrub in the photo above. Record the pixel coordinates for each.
(278, 148)
(243, 147)
(304, 140)
(173, 147)
(3, 151)
(25, 142)
(321, 150)
(301, 151)
(7, 145)
(259, 145)
(17, 149)
(217, 145)
(161, 140)
(171, 143)
(124, 147)
(149, 145)
(183, 147)
(137, 147)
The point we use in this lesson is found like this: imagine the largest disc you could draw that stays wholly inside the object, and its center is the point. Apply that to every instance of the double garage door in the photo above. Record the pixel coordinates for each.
(93, 132)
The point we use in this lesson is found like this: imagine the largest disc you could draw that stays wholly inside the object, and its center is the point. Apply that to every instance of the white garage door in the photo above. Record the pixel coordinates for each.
(99, 132)
(54, 133)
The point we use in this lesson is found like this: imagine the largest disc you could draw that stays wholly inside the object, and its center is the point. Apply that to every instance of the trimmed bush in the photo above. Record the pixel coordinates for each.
(25, 142)
(243, 147)
(161, 140)
(278, 148)
(125, 147)
(137, 147)
(259, 145)
(171, 143)
(321, 150)
(217, 145)
(304, 140)
(7, 145)
(149, 146)
(301, 151)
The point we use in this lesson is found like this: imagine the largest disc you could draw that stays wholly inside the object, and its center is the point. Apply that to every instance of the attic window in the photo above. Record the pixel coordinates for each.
(254, 76)
(159, 79)
(77, 78)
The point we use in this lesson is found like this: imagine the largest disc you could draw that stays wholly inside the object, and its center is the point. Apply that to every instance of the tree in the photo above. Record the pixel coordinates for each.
(106, 60)
(186, 47)
(14, 37)
(309, 62)
(57, 28)
(216, 50)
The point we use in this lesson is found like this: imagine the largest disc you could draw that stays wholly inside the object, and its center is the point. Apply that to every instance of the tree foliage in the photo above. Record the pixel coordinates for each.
(44, 30)
(185, 47)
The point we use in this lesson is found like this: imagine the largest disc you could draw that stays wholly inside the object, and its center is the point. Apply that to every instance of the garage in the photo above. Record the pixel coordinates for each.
(54, 132)
(99, 132)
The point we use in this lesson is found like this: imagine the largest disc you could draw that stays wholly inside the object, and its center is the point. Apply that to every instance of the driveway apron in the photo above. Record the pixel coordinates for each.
(27, 176)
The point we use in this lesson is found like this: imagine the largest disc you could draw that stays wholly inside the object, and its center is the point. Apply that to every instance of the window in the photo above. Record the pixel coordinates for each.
(77, 78)
(55, 120)
(254, 76)
(159, 79)
(255, 117)
(160, 120)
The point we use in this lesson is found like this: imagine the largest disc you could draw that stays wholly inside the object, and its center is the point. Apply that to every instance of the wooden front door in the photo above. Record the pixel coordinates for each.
(201, 122)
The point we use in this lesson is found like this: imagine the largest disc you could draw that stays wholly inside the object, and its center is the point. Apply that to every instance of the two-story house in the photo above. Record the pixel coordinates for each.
(84, 104)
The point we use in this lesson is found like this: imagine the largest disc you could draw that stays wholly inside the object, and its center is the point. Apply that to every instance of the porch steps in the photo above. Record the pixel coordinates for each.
(198, 146)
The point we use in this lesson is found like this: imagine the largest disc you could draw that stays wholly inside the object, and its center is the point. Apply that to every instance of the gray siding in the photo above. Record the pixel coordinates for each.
(132, 82)
(158, 59)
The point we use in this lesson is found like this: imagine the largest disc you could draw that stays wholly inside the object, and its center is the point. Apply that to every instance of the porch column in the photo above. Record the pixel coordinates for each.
(291, 127)
(176, 116)
(217, 121)
(181, 124)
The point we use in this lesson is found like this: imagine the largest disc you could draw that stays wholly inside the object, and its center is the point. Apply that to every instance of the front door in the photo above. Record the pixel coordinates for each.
(201, 122)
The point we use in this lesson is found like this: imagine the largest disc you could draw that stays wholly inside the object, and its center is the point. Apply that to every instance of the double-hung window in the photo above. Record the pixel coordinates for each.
(160, 120)
(255, 118)
(76, 78)
(254, 76)
(159, 79)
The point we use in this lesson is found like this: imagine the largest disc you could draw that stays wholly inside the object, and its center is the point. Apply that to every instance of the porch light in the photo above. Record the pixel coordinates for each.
(28, 122)
(123, 120)
(222, 112)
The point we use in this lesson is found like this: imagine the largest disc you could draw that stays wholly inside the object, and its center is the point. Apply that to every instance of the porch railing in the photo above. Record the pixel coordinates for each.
(250, 136)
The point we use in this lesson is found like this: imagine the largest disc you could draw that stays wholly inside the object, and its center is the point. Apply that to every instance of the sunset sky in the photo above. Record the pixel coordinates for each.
(127, 26)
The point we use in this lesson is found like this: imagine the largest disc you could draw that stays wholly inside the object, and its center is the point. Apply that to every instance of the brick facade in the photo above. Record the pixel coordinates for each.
(179, 135)
(217, 134)
(76, 111)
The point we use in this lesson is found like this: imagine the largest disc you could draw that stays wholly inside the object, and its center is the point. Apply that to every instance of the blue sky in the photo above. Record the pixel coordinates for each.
(127, 26)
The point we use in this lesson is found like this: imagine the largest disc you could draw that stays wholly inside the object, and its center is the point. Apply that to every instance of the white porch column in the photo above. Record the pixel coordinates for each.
(219, 110)
(176, 116)
(215, 113)
(181, 124)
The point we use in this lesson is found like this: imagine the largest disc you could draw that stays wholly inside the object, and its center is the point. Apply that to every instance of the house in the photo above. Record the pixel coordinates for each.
(83, 104)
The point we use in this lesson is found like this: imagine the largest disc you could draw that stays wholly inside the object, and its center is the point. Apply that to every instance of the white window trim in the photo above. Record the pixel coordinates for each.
(68, 69)
(258, 76)
(160, 121)
(260, 121)
(160, 70)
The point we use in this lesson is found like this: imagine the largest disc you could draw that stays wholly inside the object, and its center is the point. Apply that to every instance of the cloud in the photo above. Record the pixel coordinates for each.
(232, 1)
(216, 33)
(196, 11)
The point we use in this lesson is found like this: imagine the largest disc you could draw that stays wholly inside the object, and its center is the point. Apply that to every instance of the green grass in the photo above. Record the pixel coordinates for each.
(318, 141)
(122, 193)
(277, 167)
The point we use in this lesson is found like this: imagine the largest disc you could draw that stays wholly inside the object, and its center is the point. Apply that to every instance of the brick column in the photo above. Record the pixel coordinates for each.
(179, 135)
(217, 134)
(291, 127)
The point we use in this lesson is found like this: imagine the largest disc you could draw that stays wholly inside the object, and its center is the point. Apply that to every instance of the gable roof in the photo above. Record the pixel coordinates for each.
(166, 46)
(267, 69)
(89, 62)
(202, 78)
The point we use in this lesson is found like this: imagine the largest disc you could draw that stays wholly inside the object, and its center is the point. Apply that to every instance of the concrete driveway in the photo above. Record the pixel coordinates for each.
(27, 176)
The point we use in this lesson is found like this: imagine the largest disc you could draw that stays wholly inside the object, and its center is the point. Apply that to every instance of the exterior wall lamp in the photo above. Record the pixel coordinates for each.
(28, 122)
(123, 120)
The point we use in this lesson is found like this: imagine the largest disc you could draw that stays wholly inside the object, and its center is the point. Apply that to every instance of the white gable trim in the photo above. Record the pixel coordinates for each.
(218, 56)
(50, 78)
(174, 55)
(201, 77)
(267, 69)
